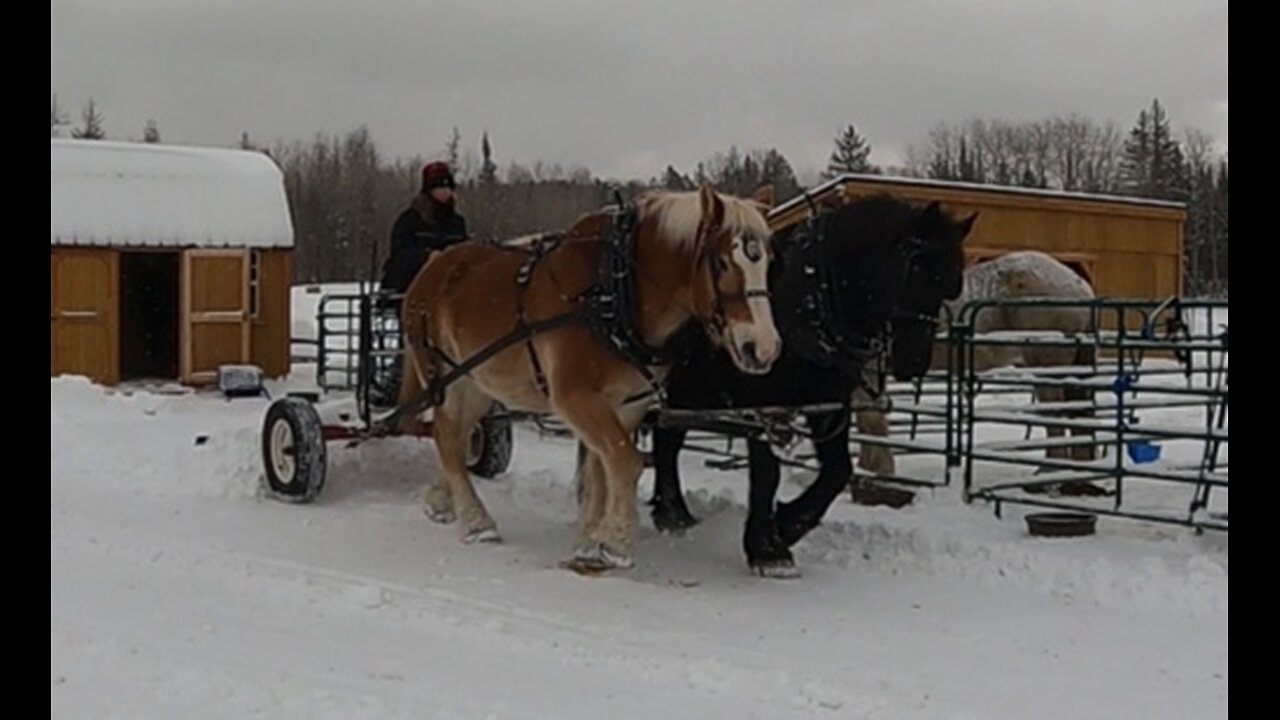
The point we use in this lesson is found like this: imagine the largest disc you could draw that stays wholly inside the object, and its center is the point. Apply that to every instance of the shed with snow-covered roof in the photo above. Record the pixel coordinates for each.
(166, 261)
(1124, 246)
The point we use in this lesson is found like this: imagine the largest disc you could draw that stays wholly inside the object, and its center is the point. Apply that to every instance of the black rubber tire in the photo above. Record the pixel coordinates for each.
(293, 451)
(493, 435)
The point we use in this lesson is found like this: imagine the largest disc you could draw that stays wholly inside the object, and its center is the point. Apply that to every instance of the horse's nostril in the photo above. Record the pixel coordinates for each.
(749, 349)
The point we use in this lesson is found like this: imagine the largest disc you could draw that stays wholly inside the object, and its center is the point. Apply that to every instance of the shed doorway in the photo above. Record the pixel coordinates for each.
(149, 315)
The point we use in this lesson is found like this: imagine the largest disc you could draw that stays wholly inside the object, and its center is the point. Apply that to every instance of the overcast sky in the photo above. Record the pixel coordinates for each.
(627, 87)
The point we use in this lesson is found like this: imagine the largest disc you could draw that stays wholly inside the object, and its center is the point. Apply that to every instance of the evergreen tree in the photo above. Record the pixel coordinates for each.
(673, 180)
(850, 156)
(1153, 166)
(91, 129)
(775, 170)
(488, 168)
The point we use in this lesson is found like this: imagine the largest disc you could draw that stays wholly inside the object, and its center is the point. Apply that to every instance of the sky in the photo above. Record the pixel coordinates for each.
(626, 88)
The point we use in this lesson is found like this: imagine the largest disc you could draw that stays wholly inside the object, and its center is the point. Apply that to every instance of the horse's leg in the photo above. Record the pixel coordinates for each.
(1045, 395)
(669, 513)
(1074, 487)
(610, 542)
(831, 432)
(591, 491)
(766, 553)
(1085, 356)
(874, 458)
(437, 502)
(872, 421)
(463, 407)
(1084, 452)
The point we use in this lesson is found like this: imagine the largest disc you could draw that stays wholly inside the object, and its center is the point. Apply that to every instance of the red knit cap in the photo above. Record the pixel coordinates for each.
(436, 174)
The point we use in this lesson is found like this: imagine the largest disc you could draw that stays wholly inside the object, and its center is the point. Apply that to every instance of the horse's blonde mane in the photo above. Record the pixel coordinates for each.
(679, 214)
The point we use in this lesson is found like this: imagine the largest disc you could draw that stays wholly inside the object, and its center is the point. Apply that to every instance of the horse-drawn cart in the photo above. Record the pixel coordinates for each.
(358, 363)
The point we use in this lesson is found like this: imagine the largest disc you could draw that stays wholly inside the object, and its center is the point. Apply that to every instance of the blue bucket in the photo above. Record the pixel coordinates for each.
(1143, 451)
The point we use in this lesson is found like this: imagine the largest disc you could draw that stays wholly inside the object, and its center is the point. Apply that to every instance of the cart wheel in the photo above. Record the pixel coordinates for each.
(293, 451)
(489, 447)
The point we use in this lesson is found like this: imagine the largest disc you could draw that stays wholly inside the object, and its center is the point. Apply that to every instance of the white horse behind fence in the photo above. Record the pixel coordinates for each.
(1016, 275)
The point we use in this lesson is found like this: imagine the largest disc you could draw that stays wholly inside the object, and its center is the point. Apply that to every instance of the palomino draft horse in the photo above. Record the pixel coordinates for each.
(849, 280)
(1024, 274)
(570, 325)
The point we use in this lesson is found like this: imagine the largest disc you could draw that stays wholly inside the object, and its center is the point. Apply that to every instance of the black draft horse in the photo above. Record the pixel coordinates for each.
(850, 283)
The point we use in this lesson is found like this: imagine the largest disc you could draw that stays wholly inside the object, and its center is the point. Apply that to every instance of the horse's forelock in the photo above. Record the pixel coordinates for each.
(679, 217)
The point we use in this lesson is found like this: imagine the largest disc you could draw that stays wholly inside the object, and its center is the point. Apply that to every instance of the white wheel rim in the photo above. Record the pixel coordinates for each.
(282, 452)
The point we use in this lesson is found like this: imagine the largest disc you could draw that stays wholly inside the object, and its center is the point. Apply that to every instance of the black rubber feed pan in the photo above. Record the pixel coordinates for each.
(1061, 524)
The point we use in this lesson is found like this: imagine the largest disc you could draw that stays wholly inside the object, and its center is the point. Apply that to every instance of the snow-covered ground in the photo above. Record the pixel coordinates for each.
(176, 590)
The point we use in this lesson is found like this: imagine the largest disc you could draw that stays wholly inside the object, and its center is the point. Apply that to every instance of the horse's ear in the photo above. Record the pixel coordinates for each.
(712, 207)
(764, 196)
(966, 225)
(927, 222)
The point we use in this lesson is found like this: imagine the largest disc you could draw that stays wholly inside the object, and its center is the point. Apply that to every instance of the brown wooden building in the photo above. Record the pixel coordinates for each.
(166, 261)
(1125, 247)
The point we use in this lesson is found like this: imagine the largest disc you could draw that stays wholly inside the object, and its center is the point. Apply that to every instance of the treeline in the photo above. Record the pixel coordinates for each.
(1078, 154)
(345, 193)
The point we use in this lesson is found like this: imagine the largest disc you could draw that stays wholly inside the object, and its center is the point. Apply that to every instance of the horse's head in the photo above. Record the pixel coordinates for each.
(731, 278)
(931, 271)
(886, 267)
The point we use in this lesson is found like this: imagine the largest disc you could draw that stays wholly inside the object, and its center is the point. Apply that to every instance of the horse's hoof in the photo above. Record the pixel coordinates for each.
(792, 530)
(596, 557)
(581, 567)
(444, 517)
(781, 569)
(487, 536)
(668, 520)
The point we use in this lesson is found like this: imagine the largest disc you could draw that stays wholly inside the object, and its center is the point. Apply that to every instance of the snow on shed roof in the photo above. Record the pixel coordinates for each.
(137, 194)
(892, 180)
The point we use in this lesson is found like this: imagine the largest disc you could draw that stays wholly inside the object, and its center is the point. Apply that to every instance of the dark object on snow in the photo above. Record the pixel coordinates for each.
(1061, 524)
(240, 381)
(867, 493)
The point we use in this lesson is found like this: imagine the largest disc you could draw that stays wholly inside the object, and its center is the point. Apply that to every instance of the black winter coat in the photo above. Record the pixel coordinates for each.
(413, 240)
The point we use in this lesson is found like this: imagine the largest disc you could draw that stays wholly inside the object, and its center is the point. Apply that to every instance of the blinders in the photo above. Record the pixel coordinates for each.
(912, 251)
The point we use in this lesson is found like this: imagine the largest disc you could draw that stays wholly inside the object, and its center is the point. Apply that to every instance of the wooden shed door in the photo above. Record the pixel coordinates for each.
(83, 314)
(215, 312)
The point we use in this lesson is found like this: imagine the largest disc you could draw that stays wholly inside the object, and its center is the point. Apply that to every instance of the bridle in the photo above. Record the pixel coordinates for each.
(835, 340)
(911, 251)
(753, 248)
